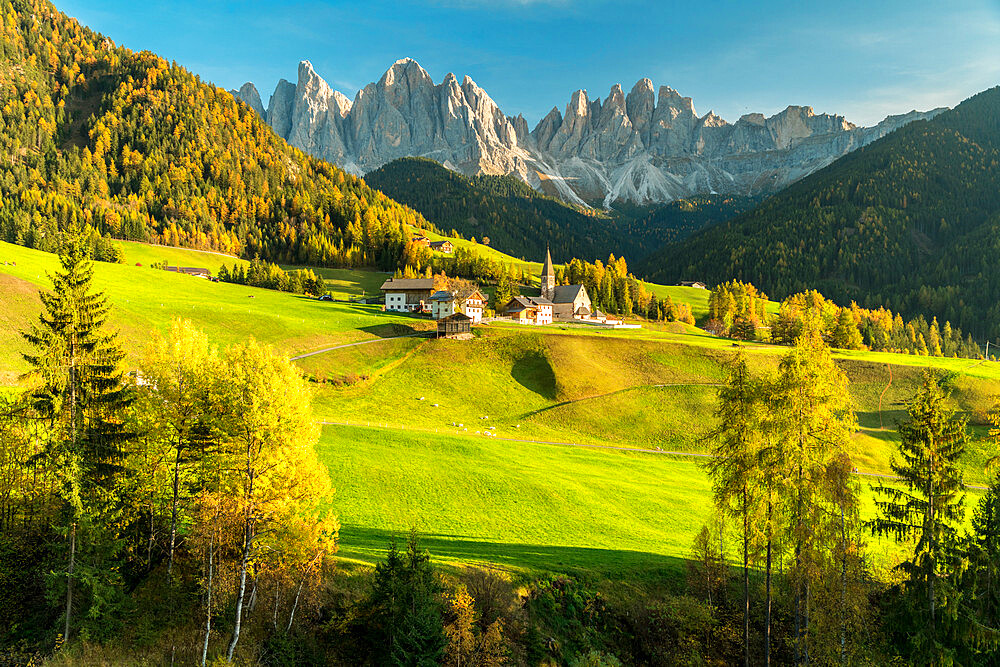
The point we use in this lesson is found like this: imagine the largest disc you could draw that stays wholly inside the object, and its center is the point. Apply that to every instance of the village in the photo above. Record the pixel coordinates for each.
(457, 309)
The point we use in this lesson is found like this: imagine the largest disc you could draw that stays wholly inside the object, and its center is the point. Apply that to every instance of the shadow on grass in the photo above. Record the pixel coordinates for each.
(394, 329)
(370, 544)
(533, 371)
(890, 419)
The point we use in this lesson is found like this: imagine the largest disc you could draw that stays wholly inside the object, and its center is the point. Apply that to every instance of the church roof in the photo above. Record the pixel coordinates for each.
(566, 293)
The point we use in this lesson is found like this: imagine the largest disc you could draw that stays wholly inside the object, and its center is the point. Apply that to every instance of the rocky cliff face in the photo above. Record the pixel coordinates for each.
(641, 147)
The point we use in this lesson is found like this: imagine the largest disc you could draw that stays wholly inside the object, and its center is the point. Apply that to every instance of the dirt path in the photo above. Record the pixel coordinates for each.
(360, 342)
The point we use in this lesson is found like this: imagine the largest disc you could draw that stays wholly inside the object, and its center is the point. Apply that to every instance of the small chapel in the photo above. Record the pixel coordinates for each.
(569, 302)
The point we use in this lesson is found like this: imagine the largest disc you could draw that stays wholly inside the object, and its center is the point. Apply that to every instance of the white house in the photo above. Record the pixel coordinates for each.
(445, 303)
(408, 295)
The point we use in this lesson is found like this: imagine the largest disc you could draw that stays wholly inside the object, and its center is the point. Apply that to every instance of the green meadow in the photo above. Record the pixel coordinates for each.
(466, 441)
(146, 300)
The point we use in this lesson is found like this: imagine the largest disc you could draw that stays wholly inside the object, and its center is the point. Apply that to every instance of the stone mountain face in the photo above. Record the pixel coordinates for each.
(641, 147)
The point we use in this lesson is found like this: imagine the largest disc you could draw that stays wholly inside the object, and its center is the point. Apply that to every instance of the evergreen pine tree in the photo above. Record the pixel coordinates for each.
(81, 395)
(928, 503)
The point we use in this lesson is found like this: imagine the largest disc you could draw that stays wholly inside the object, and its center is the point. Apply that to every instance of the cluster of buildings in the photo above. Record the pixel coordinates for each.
(457, 310)
(444, 246)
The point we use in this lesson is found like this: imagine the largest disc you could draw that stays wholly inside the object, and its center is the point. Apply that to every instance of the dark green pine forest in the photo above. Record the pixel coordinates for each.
(140, 148)
(910, 222)
(521, 221)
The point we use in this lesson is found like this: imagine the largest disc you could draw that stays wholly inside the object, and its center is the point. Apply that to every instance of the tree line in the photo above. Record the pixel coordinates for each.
(271, 276)
(614, 290)
(782, 476)
(739, 310)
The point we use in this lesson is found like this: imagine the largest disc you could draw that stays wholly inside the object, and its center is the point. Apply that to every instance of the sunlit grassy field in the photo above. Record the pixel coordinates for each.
(515, 499)
(146, 300)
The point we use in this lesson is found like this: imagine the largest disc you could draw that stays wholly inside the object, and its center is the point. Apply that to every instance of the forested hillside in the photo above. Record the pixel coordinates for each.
(142, 149)
(911, 222)
(521, 221)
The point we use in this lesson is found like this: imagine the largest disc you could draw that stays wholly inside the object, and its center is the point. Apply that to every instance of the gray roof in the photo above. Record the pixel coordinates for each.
(566, 293)
(442, 295)
(408, 284)
(519, 303)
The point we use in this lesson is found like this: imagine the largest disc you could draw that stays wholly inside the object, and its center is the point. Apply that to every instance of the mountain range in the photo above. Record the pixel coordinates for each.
(910, 222)
(641, 148)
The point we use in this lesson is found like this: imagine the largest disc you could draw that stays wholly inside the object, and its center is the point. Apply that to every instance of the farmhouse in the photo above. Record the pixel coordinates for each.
(529, 310)
(697, 284)
(469, 301)
(569, 302)
(442, 246)
(408, 295)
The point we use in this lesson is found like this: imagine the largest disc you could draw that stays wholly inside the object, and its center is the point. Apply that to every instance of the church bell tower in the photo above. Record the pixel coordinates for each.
(548, 280)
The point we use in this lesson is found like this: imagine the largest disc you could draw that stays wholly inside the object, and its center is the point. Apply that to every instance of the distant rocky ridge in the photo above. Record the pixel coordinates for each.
(640, 148)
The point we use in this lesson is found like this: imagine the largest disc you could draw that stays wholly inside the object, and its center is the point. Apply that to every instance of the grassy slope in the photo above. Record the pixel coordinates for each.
(147, 300)
(536, 507)
(523, 505)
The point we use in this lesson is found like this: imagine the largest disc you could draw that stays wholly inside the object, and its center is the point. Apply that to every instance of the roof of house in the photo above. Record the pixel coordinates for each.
(188, 269)
(440, 243)
(408, 284)
(566, 293)
(583, 310)
(442, 295)
(456, 317)
(519, 303)
(466, 294)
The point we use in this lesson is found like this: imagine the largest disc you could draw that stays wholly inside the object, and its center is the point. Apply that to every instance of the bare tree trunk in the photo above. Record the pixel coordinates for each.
(149, 545)
(173, 509)
(843, 587)
(274, 615)
(295, 605)
(746, 583)
(241, 590)
(253, 596)
(767, 630)
(208, 599)
(69, 581)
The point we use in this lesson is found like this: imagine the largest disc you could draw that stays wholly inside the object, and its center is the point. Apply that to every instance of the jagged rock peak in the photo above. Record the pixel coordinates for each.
(248, 95)
(405, 69)
(578, 104)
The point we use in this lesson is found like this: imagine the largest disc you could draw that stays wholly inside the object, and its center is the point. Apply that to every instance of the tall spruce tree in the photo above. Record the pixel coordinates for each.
(927, 502)
(983, 582)
(80, 393)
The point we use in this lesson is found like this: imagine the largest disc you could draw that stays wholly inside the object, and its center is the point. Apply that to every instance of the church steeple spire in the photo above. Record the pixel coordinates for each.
(548, 278)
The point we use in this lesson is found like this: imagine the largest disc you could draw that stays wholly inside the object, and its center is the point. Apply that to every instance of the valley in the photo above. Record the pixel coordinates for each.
(506, 413)
(397, 379)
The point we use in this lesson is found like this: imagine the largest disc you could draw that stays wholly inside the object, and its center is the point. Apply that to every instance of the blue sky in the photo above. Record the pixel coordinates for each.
(863, 60)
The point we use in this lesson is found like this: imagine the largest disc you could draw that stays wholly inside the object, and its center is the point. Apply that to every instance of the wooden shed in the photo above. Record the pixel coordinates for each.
(454, 325)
